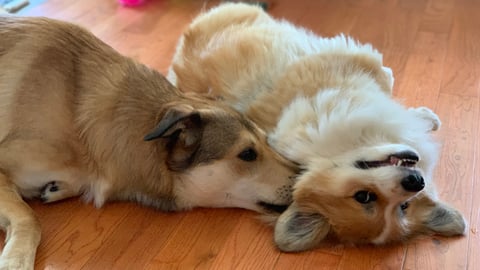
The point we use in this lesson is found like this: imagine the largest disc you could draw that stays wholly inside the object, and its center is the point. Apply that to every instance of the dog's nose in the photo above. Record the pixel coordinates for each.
(414, 182)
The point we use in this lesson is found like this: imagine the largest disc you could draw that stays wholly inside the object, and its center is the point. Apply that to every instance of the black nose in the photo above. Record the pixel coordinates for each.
(414, 182)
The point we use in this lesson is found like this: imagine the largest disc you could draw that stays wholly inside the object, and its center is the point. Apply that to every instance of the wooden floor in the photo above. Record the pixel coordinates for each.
(433, 47)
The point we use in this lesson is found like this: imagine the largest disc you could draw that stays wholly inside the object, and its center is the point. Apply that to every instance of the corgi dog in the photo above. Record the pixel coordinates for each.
(326, 104)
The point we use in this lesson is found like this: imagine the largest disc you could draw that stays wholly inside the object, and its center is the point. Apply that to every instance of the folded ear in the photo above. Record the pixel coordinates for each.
(172, 120)
(296, 230)
(428, 216)
(182, 127)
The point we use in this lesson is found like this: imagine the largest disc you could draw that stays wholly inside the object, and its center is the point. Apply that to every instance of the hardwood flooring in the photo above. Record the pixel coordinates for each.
(433, 47)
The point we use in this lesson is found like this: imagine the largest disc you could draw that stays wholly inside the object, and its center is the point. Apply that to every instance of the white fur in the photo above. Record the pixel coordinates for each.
(309, 127)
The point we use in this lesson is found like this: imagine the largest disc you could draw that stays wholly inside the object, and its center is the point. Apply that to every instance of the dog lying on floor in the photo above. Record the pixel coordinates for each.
(78, 118)
(326, 104)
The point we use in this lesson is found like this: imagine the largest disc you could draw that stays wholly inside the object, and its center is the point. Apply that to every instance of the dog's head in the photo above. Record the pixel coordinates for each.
(222, 159)
(365, 180)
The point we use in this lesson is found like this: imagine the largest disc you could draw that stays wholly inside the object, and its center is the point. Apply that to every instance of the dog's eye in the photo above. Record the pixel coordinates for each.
(364, 196)
(248, 154)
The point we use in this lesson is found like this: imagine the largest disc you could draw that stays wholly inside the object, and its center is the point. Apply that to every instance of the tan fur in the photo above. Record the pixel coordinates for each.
(326, 104)
(73, 118)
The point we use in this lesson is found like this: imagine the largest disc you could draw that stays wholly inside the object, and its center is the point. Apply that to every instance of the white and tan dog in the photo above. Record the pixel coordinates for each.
(78, 118)
(326, 104)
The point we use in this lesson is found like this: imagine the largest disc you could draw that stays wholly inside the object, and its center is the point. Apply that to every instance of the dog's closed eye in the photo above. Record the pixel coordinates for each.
(248, 154)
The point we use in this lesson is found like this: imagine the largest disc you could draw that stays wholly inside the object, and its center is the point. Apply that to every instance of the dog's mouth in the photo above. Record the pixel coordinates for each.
(404, 159)
(276, 208)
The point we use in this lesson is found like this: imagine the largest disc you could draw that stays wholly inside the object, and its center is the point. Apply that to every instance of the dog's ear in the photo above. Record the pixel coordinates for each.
(182, 127)
(298, 230)
(428, 216)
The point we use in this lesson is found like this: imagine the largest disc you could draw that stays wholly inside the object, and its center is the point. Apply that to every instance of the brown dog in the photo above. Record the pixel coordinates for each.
(78, 118)
(326, 104)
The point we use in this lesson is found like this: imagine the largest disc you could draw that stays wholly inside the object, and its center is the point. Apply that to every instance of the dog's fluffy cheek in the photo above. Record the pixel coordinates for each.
(296, 230)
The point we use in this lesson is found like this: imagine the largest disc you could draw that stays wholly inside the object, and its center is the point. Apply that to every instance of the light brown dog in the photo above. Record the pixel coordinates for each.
(326, 104)
(78, 118)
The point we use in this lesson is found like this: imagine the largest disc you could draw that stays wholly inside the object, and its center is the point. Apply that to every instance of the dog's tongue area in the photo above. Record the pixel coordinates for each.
(405, 159)
(396, 161)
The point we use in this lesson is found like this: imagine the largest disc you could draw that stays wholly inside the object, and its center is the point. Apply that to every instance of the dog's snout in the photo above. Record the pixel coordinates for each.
(413, 182)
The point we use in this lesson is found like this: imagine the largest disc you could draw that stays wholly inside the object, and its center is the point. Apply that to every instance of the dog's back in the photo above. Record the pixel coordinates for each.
(39, 60)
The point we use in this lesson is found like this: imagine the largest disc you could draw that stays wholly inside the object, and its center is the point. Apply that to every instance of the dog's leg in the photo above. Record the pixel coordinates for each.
(22, 228)
(429, 115)
(390, 79)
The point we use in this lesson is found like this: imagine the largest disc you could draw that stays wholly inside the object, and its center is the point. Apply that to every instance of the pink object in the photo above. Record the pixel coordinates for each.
(131, 2)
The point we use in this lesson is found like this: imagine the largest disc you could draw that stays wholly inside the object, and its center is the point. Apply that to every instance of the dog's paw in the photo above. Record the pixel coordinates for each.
(48, 192)
(429, 115)
(390, 78)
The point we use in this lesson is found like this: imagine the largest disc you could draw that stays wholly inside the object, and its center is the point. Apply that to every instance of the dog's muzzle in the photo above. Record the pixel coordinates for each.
(413, 182)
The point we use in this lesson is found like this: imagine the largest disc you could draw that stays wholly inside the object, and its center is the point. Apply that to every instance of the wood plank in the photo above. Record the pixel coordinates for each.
(249, 246)
(454, 179)
(77, 237)
(438, 17)
(463, 75)
(473, 261)
(197, 240)
(148, 232)
(372, 257)
(426, 64)
(323, 258)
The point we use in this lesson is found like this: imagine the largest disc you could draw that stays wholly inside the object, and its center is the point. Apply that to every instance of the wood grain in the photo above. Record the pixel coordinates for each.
(433, 47)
